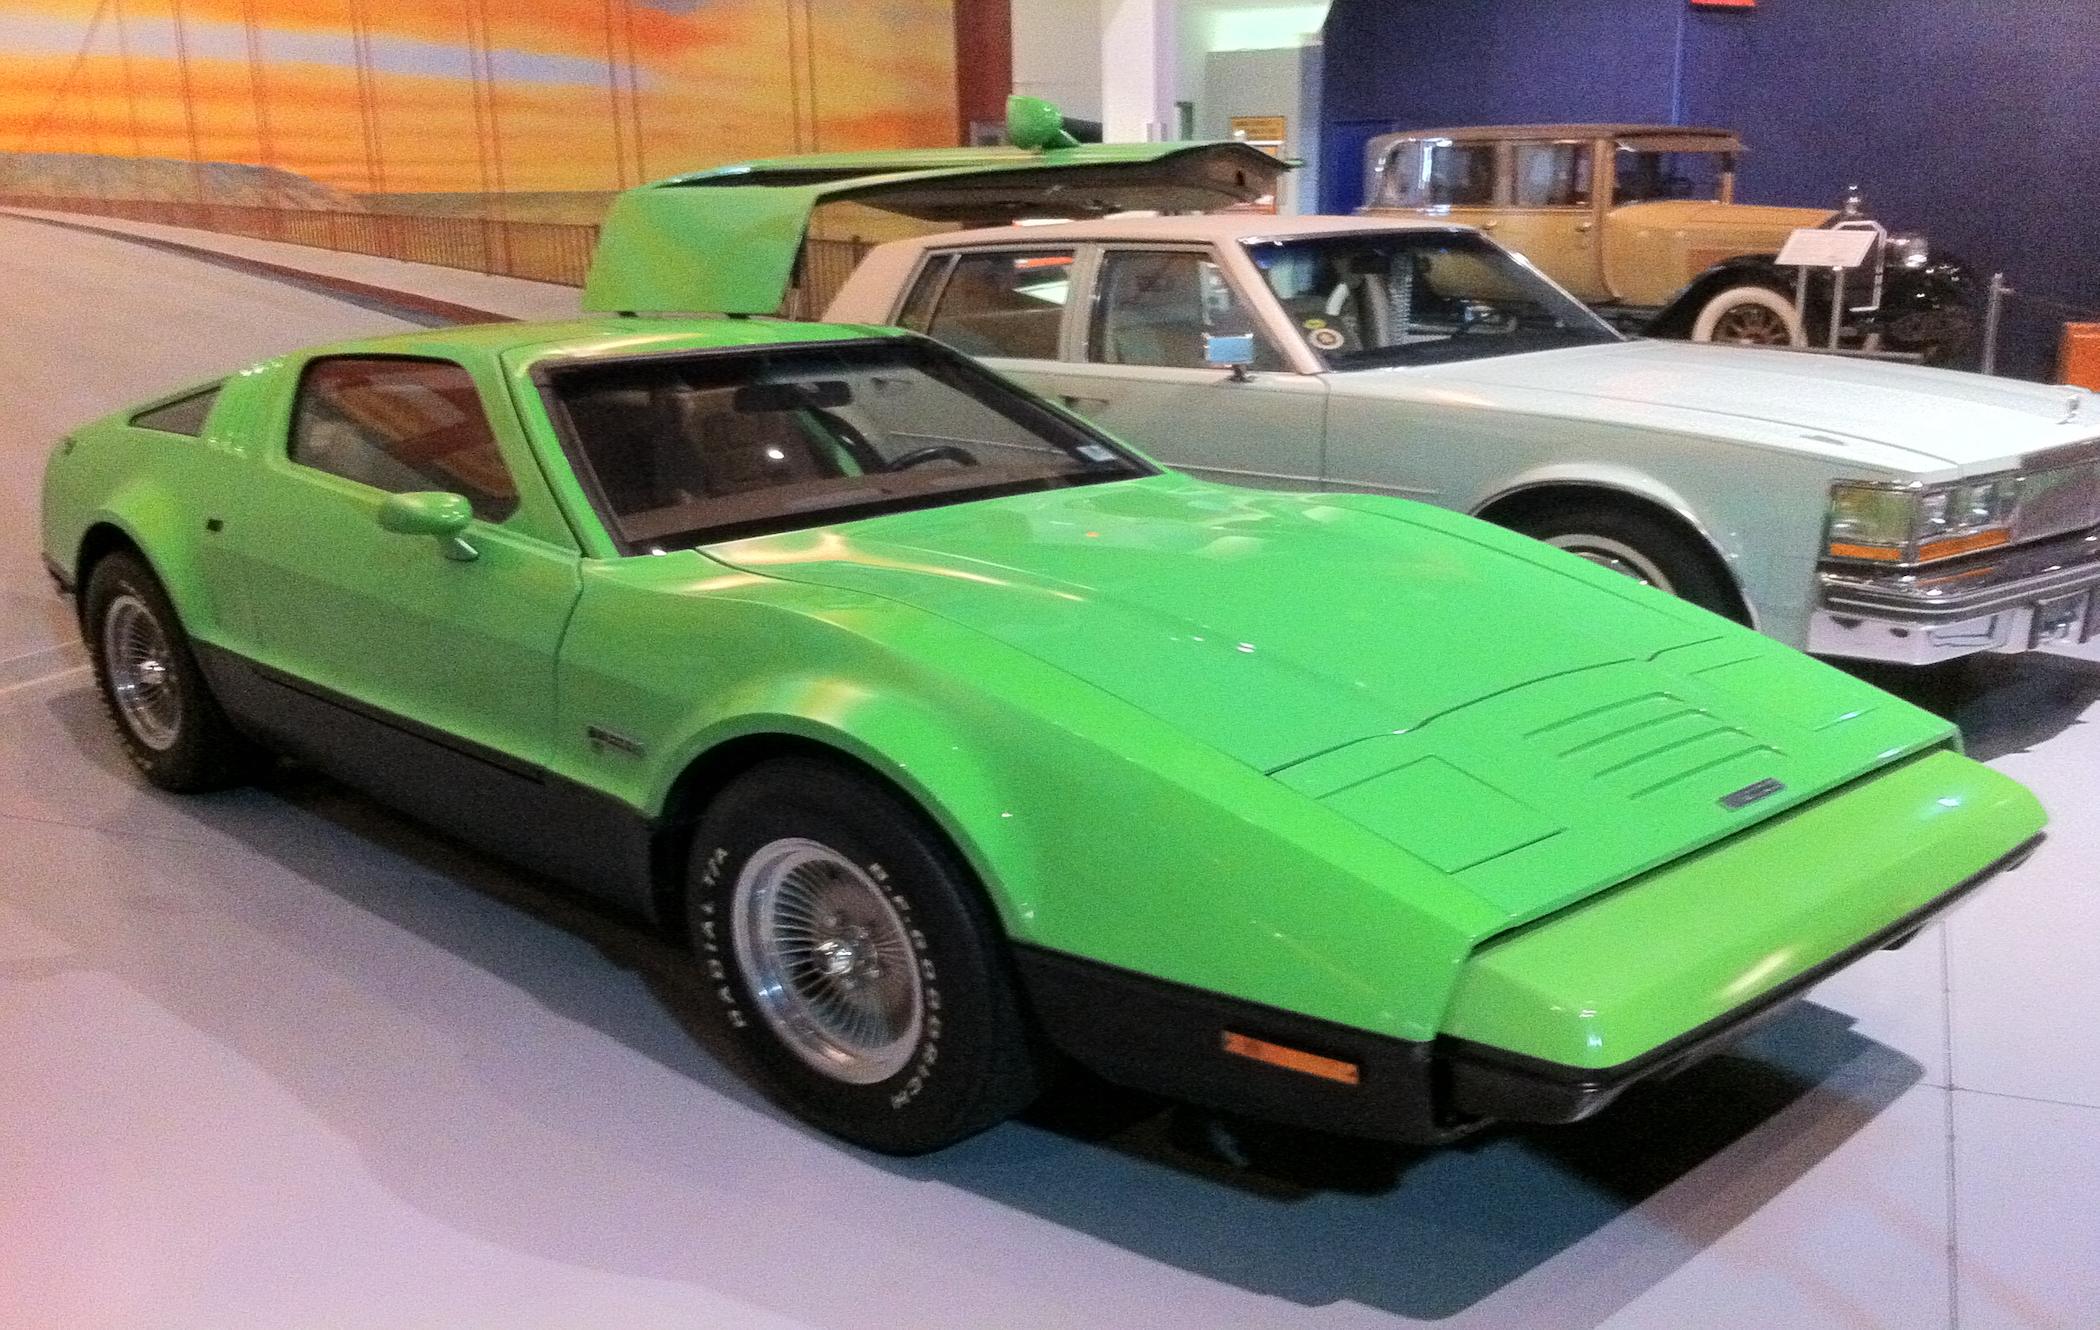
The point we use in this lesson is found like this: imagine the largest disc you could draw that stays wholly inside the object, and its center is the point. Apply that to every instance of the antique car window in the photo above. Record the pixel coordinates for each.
(1006, 303)
(917, 312)
(1418, 297)
(1437, 173)
(1552, 175)
(683, 450)
(402, 425)
(1643, 176)
(1154, 308)
(184, 415)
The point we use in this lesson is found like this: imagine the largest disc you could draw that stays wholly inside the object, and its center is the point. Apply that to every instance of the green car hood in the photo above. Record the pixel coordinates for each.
(1523, 721)
(726, 241)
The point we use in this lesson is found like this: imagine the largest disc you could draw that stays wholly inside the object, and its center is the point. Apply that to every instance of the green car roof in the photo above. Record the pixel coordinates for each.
(607, 337)
(727, 240)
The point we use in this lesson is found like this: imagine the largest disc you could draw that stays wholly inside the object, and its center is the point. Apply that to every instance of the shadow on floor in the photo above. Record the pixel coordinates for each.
(552, 1145)
(2003, 704)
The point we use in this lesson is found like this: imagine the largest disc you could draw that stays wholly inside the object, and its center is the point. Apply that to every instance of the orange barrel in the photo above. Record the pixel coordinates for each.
(2078, 362)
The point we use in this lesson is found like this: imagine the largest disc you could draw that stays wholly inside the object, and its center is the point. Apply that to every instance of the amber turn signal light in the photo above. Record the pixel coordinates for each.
(1290, 1059)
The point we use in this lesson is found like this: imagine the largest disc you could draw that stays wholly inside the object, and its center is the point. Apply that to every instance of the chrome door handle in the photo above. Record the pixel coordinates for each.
(1085, 406)
(1585, 226)
(1490, 224)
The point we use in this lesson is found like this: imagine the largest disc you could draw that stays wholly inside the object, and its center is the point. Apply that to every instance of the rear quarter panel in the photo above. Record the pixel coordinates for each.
(158, 489)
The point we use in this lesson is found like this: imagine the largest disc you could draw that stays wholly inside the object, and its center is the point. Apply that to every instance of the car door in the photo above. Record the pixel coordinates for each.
(1135, 363)
(451, 639)
(1552, 215)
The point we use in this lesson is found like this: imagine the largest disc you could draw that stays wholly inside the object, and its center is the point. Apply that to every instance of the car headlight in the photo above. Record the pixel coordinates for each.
(1908, 251)
(1920, 524)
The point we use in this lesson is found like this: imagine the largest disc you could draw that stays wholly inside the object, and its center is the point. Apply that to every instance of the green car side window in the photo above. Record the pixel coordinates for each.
(185, 415)
(402, 424)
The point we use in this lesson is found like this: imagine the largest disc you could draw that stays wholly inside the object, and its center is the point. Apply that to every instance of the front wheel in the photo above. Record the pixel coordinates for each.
(1640, 546)
(851, 957)
(1749, 316)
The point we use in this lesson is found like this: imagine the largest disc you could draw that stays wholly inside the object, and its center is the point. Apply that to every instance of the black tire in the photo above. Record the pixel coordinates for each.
(972, 1061)
(1607, 532)
(197, 748)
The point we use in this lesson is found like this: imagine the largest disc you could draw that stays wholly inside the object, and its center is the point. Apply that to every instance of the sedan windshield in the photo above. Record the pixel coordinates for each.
(1418, 297)
(684, 450)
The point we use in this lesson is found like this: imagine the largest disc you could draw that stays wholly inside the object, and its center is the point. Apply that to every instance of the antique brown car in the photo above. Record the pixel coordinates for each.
(1641, 221)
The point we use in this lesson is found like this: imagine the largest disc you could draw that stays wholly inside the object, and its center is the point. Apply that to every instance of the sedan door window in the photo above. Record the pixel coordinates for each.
(1005, 303)
(402, 425)
(1156, 307)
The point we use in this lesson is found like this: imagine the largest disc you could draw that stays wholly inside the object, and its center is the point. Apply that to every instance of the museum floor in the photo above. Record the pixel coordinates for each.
(279, 1058)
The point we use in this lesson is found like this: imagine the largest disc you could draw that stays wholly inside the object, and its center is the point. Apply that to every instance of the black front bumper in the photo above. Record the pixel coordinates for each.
(1171, 1039)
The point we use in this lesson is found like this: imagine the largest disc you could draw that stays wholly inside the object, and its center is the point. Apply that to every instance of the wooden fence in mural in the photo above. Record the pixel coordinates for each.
(539, 251)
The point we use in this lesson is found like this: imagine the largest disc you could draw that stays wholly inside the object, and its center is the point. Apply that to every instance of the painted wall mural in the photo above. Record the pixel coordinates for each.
(534, 108)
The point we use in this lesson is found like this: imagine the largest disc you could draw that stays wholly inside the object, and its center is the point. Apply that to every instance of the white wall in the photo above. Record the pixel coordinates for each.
(1057, 53)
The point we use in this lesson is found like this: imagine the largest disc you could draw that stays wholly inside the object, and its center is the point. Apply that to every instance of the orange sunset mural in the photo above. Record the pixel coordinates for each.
(437, 105)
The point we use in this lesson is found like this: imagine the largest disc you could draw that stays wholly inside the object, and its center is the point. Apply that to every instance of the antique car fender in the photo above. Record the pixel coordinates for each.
(1677, 315)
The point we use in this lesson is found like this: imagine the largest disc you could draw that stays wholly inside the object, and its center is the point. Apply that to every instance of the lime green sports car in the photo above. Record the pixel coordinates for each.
(960, 739)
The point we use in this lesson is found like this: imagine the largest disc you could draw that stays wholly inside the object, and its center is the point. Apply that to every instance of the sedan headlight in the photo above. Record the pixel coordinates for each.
(1919, 524)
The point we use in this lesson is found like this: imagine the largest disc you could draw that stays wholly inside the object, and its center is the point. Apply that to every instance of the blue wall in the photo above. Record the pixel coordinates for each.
(1974, 121)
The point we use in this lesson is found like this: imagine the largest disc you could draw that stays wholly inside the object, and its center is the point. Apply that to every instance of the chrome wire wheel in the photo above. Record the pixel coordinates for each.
(1616, 555)
(829, 960)
(1752, 325)
(136, 655)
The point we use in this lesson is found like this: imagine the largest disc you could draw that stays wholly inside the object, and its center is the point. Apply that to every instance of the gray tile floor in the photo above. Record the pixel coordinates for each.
(278, 1058)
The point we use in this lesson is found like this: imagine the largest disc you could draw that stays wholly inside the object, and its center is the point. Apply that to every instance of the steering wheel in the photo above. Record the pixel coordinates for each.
(936, 452)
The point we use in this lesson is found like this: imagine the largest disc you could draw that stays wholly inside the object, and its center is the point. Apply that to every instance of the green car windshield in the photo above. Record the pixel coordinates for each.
(685, 450)
(1364, 301)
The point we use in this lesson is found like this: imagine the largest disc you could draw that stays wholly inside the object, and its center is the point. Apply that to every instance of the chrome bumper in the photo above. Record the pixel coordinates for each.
(2028, 599)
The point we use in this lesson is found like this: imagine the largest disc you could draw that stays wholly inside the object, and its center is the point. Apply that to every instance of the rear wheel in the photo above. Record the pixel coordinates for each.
(1749, 316)
(170, 724)
(1646, 548)
(855, 962)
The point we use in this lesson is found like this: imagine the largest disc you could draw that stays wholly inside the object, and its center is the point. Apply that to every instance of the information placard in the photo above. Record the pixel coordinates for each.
(1816, 247)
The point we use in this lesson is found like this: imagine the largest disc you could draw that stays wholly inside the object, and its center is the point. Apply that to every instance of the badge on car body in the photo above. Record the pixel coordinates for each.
(1751, 794)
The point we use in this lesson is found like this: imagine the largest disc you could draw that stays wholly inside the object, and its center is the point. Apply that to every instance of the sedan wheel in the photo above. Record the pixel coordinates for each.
(1616, 555)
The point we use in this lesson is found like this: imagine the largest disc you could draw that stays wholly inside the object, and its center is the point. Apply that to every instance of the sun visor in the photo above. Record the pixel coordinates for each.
(727, 241)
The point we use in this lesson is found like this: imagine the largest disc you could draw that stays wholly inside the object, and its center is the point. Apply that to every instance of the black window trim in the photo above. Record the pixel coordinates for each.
(291, 424)
(136, 419)
(544, 372)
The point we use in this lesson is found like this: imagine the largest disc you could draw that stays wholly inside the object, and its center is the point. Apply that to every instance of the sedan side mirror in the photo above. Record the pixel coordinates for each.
(1233, 351)
(431, 513)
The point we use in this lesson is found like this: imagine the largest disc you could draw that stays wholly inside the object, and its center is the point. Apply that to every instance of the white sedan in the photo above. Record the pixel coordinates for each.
(1850, 507)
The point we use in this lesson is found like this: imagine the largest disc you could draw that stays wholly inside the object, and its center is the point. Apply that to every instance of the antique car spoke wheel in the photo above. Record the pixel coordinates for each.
(1752, 325)
(1749, 316)
(136, 655)
(1616, 555)
(829, 961)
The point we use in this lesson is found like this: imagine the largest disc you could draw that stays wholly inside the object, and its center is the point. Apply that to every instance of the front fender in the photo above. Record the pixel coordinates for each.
(1096, 829)
(1726, 542)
